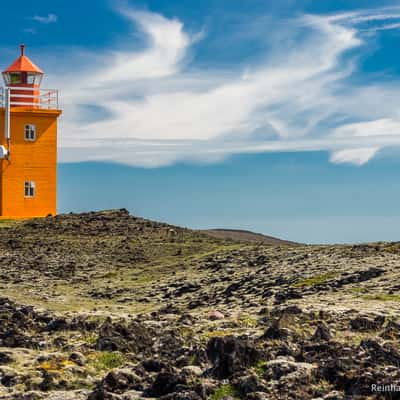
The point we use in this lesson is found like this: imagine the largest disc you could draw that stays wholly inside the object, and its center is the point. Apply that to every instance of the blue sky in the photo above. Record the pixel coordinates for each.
(279, 118)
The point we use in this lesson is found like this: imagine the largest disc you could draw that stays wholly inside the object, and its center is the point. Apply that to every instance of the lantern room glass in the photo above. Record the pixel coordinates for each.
(27, 78)
(12, 78)
(34, 78)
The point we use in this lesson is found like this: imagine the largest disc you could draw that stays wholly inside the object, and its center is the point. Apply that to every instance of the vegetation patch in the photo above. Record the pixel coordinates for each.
(246, 321)
(108, 360)
(56, 365)
(315, 280)
(382, 297)
(357, 290)
(217, 333)
(91, 338)
(225, 391)
(260, 368)
(4, 223)
(393, 248)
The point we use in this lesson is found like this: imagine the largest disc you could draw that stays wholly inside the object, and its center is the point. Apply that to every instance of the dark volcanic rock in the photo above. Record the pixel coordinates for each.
(281, 327)
(153, 365)
(165, 383)
(230, 355)
(381, 353)
(391, 331)
(322, 332)
(361, 323)
(249, 384)
(288, 294)
(57, 324)
(117, 381)
(121, 336)
(5, 358)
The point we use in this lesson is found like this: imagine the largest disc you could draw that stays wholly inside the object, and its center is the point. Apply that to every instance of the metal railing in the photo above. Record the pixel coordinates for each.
(46, 99)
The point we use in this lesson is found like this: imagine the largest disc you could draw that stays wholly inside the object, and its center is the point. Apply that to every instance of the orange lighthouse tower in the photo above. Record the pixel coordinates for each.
(28, 142)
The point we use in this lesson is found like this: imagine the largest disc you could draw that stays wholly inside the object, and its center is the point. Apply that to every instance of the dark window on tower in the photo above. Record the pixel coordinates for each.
(15, 77)
(30, 189)
(30, 132)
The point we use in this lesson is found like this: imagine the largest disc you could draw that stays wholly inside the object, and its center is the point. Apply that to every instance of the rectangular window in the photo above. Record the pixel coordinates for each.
(6, 77)
(30, 79)
(30, 189)
(34, 78)
(15, 77)
(30, 132)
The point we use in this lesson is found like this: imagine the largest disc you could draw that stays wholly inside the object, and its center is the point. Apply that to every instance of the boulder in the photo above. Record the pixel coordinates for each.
(361, 323)
(290, 372)
(116, 382)
(192, 371)
(249, 384)
(322, 333)
(215, 315)
(6, 357)
(152, 365)
(231, 354)
(165, 383)
(120, 336)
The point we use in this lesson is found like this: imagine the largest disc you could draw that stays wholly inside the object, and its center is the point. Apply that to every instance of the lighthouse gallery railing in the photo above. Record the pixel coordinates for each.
(45, 99)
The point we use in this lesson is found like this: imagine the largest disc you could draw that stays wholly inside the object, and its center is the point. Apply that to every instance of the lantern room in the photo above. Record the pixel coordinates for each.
(24, 78)
(23, 72)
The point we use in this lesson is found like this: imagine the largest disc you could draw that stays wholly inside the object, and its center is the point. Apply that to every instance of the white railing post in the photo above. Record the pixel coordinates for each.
(7, 103)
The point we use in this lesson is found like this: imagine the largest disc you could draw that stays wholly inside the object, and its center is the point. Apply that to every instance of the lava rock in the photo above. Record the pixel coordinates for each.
(117, 382)
(322, 333)
(361, 323)
(231, 354)
(120, 336)
(165, 383)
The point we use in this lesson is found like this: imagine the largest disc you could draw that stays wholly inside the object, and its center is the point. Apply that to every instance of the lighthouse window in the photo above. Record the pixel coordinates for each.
(30, 79)
(30, 132)
(15, 77)
(6, 78)
(30, 189)
(34, 79)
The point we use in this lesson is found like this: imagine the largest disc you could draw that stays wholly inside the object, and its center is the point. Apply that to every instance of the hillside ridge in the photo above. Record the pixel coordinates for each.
(243, 235)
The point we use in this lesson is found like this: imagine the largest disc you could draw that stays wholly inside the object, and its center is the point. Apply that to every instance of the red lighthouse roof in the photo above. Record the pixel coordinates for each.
(23, 64)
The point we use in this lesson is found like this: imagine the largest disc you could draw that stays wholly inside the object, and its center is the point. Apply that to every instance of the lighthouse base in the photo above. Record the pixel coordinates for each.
(28, 175)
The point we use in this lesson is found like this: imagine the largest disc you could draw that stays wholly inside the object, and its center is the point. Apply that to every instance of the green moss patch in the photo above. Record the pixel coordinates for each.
(315, 280)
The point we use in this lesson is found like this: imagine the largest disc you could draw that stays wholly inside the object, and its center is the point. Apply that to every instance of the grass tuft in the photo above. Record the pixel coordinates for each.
(224, 391)
(315, 280)
(108, 360)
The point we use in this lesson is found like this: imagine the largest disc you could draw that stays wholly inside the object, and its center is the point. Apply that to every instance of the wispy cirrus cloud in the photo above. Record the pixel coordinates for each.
(155, 106)
(45, 19)
(385, 27)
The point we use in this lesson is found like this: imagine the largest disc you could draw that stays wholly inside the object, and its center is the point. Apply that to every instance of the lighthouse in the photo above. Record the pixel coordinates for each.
(28, 142)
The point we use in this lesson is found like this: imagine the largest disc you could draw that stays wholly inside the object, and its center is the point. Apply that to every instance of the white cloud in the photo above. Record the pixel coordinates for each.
(385, 27)
(354, 156)
(380, 127)
(157, 107)
(167, 46)
(49, 19)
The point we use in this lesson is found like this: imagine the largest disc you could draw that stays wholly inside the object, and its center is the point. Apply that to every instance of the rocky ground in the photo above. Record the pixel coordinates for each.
(109, 306)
